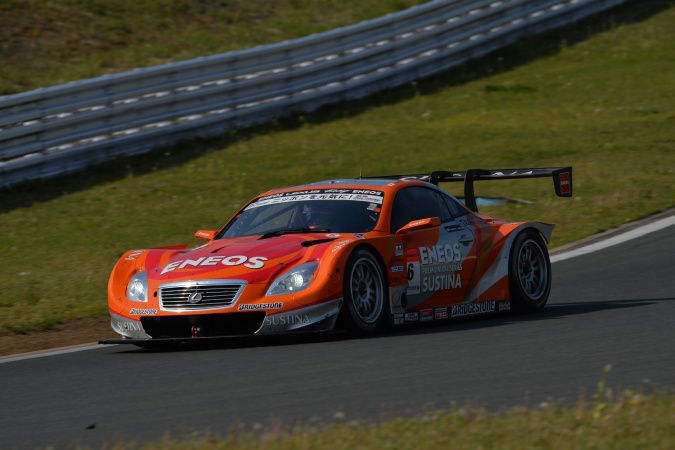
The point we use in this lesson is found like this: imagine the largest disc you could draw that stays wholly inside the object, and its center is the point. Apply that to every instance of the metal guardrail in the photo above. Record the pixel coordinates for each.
(62, 129)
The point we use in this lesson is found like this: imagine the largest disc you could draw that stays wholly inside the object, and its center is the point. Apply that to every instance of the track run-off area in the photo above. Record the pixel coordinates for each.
(612, 302)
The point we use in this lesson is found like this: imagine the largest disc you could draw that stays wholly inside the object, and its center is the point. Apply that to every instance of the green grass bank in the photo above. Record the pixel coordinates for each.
(599, 96)
(44, 43)
(631, 421)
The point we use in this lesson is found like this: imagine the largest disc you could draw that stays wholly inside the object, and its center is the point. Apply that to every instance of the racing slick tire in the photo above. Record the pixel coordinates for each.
(529, 272)
(365, 293)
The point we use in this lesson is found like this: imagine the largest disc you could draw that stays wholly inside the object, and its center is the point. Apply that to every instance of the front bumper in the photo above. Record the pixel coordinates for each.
(321, 317)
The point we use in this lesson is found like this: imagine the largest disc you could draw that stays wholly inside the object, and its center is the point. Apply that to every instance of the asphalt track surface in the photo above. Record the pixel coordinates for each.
(615, 306)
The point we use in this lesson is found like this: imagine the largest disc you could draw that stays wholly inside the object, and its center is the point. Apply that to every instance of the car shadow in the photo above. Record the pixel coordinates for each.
(551, 312)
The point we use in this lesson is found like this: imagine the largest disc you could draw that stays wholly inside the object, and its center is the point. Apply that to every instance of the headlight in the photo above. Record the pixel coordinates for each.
(294, 280)
(137, 289)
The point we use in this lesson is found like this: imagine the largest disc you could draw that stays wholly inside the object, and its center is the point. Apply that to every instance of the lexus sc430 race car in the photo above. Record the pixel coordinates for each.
(357, 254)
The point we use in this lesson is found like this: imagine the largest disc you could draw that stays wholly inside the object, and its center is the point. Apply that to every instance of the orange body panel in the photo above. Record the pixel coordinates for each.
(430, 268)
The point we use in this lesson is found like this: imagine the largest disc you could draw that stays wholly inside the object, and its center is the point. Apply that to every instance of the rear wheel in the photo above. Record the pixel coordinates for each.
(365, 293)
(529, 272)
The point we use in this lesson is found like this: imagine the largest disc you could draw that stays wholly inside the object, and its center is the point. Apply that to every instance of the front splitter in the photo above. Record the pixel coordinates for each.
(169, 342)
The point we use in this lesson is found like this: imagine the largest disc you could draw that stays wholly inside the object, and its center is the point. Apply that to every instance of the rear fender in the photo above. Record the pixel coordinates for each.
(493, 284)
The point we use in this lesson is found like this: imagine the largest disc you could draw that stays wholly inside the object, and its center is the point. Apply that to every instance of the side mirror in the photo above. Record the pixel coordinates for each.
(420, 224)
(206, 234)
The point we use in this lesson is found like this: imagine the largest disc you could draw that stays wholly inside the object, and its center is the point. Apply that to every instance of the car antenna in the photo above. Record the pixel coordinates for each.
(360, 161)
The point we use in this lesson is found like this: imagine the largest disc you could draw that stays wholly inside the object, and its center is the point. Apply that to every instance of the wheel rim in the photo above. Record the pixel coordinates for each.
(532, 270)
(367, 290)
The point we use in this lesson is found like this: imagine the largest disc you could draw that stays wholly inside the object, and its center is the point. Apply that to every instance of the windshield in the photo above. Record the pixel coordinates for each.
(318, 210)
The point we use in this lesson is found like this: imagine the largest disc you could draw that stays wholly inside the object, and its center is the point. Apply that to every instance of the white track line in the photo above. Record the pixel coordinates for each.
(594, 247)
(615, 240)
(51, 352)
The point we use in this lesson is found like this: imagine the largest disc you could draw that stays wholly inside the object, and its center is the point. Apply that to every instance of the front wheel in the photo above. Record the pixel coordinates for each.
(529, 272)
(365, 293)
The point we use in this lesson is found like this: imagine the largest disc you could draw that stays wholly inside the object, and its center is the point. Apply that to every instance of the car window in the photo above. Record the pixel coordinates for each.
(347, 211)
(455, 207)
(416, 202)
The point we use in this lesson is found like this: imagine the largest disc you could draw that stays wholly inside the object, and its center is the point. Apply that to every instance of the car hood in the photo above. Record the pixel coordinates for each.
(250, 259)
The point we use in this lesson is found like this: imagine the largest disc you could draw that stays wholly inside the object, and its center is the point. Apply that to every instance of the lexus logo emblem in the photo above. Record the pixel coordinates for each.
(195, 297)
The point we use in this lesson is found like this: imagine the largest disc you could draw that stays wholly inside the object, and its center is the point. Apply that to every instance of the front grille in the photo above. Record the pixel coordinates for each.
(201, 295)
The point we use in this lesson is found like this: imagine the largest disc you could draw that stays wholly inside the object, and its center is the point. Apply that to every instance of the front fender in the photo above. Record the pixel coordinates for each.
(332, 263)
(130, 263)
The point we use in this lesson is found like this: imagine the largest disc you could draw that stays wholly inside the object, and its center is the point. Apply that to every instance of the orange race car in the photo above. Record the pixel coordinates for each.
(356, 254)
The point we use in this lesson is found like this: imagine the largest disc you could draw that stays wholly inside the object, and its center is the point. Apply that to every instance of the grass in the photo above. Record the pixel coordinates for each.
(597, 95)
(48, 43)
(630, 421)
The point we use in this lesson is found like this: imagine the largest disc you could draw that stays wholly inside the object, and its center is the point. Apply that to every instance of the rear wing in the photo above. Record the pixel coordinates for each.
(562, 179)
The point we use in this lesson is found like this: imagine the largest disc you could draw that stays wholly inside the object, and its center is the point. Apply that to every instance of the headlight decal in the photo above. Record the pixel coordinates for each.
(294, 280)
(137, 289)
